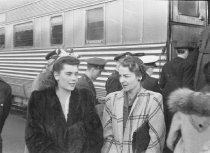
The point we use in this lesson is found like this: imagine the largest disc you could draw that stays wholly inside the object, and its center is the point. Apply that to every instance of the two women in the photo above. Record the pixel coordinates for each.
(131, 110)
(61, 119)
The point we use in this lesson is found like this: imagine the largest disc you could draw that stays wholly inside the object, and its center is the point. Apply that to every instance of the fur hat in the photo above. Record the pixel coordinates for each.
(189, 102)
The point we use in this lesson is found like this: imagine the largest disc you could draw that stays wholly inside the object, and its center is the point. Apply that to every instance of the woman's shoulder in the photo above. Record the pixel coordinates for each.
(153, 94)
(111, 97)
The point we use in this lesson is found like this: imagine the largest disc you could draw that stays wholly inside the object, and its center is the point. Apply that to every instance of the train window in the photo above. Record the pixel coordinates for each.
(189, 8)
(56, 30)
(95, 26)
(2, 38)
(23, 34)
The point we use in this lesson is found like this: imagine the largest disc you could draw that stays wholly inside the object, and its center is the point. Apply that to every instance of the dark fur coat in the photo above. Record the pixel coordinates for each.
(47, 130)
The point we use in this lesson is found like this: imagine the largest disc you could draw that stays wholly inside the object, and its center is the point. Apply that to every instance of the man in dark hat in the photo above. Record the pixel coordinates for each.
(94, 68)
(149, 82)
(5, 105)
(113, 84)
(179, 72)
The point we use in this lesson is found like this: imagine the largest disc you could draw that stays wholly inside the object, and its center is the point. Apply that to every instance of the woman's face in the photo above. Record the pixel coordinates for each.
(67, 77)
(128, 79)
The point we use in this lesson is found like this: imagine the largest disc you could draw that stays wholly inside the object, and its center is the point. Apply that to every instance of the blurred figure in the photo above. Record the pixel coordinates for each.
(131, 110)
(94, 68)
(179, 72)
(206, 71)
(149, 82)
(192, 118)
(62, 119)
(5, 105)
(113, 83)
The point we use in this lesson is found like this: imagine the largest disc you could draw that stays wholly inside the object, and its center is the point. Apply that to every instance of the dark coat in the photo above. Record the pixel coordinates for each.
(175, 74)
(151, 84)
(47, 131)
(5, 102)
(5, 105)
(113, 83)
(178, 73)
(85, 83)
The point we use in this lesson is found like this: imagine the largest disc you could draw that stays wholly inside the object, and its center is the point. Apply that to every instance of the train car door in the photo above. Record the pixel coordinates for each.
(204, 57)
(188, 19)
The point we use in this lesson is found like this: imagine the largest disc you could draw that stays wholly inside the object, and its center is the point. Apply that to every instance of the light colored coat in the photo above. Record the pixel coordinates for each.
(192, 118)
(147, 106)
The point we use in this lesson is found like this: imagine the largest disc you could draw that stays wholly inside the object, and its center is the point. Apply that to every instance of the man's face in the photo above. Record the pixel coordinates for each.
(128, 79)
(96, 72)
(67, 77)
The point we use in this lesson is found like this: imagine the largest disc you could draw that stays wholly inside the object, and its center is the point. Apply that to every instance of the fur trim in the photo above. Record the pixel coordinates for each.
(189, 102)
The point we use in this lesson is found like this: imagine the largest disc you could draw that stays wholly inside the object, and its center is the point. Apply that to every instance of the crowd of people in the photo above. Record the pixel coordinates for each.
(141, 114)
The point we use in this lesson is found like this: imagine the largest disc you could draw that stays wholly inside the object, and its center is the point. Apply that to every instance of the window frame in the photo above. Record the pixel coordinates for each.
(4, 31)
(179, 17)
(102, 41)
(14, 34)
(197, 9)
(54, 16)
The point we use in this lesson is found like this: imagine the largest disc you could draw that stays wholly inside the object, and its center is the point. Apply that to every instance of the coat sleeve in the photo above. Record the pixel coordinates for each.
(5, 101)
(36, 138)
(156, 125)
(188, 75)
(113, 84)
(173, 133)
(92, 124)
(109, 146)
(162, 80)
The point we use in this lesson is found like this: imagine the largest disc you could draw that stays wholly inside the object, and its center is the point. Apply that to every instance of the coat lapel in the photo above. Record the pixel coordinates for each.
(119, 102)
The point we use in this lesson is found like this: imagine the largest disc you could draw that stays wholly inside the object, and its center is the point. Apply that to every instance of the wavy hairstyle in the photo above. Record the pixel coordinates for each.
(135, 65)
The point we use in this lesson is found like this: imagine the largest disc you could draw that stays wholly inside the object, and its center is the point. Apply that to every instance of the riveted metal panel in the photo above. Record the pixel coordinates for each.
(113, 22)
(155, 21)
(68, 28)
(132, 21)
(79, 28)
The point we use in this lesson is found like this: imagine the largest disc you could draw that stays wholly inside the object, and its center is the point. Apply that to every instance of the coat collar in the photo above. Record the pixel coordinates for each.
(121, 93)
(56, 106)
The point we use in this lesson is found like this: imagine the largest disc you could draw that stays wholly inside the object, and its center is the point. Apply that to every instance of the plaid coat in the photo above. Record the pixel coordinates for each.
(147, 106)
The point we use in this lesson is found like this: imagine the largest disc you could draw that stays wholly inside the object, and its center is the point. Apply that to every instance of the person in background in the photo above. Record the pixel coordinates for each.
(95, 66)
(62, 119)
(192, 117)
(206, 71)
(130, 109)
(5, 105)
(113, 83)
(177, 73)
(149, 82)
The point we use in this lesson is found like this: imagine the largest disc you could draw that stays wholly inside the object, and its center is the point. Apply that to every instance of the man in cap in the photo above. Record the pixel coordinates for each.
(179, 72)
(149, 82)
(113, 83)
(94, 68)
(5, 105)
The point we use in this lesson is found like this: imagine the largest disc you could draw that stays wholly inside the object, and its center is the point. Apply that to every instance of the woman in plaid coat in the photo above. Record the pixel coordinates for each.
(127, 110)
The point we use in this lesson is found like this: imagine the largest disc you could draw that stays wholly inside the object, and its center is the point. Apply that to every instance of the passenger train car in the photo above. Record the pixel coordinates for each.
(92, 28)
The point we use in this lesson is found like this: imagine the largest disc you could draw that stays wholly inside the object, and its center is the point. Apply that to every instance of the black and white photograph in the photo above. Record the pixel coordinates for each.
(104, 76)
